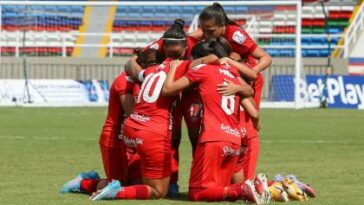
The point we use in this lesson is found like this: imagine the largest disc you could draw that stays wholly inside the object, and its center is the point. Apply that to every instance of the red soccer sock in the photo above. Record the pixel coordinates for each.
(89, 185)
(209, 194)
(233, 192)
(134, 192)
(251, 158)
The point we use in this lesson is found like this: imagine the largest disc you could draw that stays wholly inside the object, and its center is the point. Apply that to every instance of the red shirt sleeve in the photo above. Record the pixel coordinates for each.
(191, 42)
(197, 73)
(240, 40)
(182, 69)
(123, 84)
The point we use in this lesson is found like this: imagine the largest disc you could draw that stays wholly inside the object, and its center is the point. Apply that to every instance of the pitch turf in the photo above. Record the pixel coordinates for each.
(41, 148)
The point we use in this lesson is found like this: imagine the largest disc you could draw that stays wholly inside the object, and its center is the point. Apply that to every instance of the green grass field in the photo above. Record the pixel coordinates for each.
(41, 148)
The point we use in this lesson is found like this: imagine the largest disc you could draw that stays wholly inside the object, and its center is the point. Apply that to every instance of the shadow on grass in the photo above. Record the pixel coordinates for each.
(183, 196)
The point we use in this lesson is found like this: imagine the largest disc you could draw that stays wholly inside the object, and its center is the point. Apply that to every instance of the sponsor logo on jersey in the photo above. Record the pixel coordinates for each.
(229, 151)
(226, 72)
(132, 142)
(239, 37)
(229, 130)
(141, 118)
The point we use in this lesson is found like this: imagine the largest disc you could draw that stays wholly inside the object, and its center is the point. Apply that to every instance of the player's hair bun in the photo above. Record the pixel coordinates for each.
(179, 23)
(216, 4)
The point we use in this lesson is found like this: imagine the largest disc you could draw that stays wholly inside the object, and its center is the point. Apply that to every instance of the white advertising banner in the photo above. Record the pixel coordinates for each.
(54, 92)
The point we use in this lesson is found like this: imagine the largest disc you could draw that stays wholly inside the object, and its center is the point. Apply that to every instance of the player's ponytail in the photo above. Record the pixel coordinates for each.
(175, 34)
(217, 13)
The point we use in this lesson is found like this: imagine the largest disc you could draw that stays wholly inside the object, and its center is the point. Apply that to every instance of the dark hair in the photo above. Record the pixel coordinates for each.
(217, 13)
(149, 57)
(219, 46)
(175, 34)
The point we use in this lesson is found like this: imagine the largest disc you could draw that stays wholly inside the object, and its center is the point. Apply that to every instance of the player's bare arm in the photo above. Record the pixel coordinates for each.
(230, 88)
(243, 69)
(264, 59)
(132, 68)
(210, 59)
(249, 106)
(172, 87)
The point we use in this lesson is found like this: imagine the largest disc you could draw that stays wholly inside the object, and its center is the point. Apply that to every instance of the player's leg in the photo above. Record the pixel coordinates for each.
(81, 183)
(252, 153)
(115, 166)
(211, 172)
(192, 109)
(155, 154)
(238, 176)
(251, 157)
(173, 190)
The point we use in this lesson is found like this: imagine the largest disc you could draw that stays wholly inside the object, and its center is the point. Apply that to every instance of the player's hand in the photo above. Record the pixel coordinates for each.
(175, 63)
(224, 60)
(228, 88)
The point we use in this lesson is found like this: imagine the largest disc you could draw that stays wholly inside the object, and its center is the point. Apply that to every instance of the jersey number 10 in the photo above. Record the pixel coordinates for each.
(151, 93)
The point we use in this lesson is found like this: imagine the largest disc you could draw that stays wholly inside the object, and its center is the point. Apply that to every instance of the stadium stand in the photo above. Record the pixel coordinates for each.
(135, 26)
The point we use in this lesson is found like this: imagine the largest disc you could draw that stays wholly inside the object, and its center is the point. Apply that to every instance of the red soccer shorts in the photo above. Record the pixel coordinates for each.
(153, 149)
(213, 165)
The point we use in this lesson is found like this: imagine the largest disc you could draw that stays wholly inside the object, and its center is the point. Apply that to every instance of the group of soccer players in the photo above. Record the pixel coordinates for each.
(211, 78)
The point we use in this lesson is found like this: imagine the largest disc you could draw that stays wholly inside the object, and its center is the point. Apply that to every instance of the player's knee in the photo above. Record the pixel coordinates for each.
(160, 193)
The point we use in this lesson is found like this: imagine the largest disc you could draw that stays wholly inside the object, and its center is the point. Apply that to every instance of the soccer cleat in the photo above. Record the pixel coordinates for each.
(73, 186)
(173, 190)
(261, 186)
(109, 192)
(277, 192)
(293, 191)
(93, 175)
(249, 192)
(303, 186)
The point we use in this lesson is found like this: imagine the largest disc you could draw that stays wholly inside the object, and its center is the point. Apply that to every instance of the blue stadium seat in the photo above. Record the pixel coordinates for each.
(229, 9)
(273, 52)
(122, 9)
(147, 15)
(134, 9)
(64, 9)
(241, 9)
(175, 9)
(286, 52)
(148, 9)
(162, 9)
(189, 9)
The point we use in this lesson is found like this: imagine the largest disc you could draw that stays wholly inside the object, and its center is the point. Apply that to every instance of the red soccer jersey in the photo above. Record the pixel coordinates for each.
(220, 113)
(191, 42)
(121, 85)
(152, 110)
(240, 40)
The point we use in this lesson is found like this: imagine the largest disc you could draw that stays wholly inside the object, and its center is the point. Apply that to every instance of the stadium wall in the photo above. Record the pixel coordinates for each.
(108, 68)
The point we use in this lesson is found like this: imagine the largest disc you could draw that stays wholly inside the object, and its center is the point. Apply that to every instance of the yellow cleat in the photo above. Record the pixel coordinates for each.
(293, 191)
(278, 193)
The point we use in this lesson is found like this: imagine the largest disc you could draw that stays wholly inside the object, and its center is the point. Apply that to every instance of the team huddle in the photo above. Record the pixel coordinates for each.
(212, 79)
